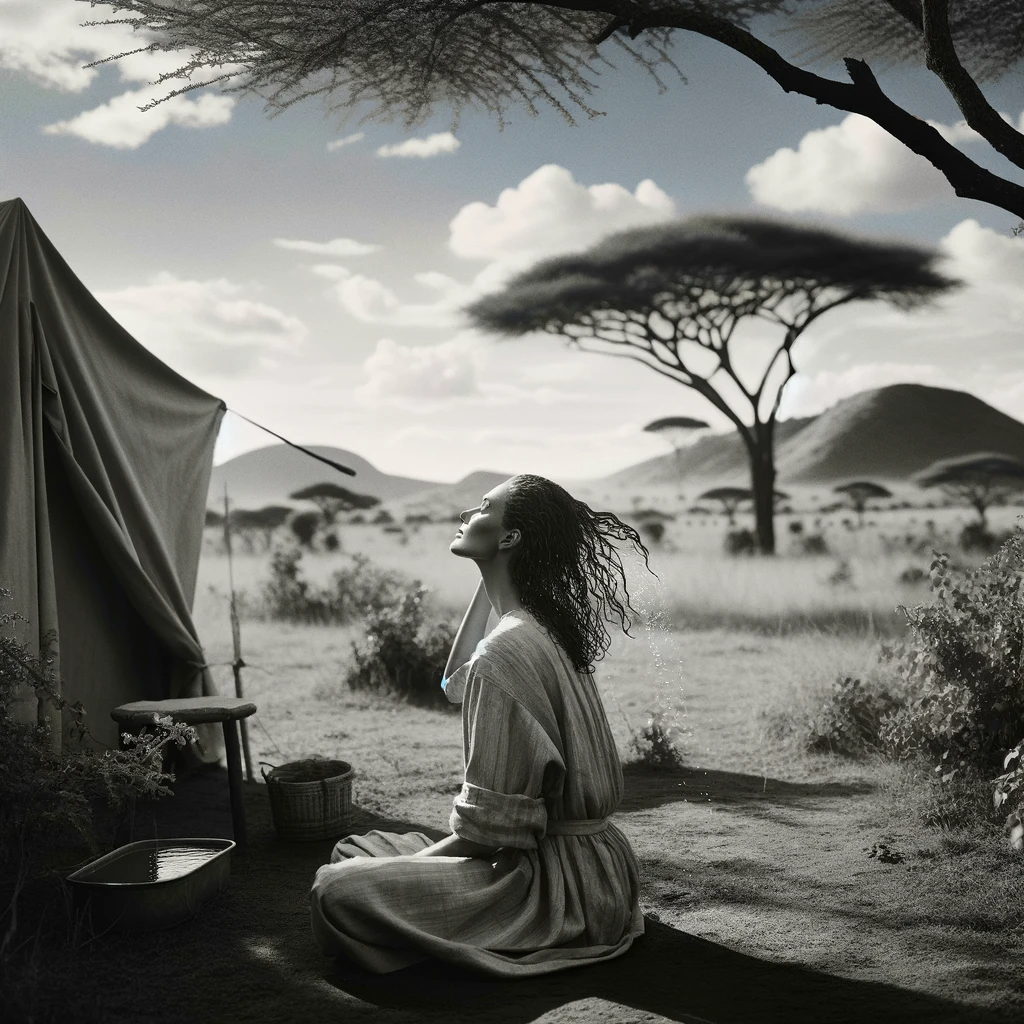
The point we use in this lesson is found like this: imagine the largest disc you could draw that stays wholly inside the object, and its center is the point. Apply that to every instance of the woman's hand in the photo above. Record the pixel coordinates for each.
(471, 632)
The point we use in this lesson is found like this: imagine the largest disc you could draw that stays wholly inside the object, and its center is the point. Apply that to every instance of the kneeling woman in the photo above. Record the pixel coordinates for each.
(535, 877)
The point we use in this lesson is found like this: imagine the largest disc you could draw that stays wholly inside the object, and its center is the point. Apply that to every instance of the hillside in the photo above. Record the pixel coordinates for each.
(883, 434)
(890, 433)
(268, 475)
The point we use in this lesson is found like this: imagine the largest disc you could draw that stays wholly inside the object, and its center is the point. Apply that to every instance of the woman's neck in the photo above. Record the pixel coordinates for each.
(501, 592)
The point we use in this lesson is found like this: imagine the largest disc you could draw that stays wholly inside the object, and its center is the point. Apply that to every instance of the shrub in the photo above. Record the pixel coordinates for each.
(654, 530)
(841, 575)
(963, 666)
(304, 526)
(849, 720)
(912, 574)
(740, 542)
(332, 542)
(796, 527)
(49, 799)
(975, 537)
(383, 516)
(401, 656)
(653, 746)
(287, 597)
(814, 544)
(365, 588)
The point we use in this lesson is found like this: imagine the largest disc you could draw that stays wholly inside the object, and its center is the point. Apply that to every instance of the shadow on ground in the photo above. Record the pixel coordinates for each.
(646, 788)
(249, 957)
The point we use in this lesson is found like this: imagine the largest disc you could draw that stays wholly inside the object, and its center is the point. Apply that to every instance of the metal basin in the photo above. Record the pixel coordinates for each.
(152, 884)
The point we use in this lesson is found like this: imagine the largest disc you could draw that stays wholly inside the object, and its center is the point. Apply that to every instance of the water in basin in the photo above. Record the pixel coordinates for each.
(153, 865)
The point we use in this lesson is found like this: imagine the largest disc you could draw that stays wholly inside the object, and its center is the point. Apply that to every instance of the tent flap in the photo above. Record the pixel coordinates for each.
(106, 459)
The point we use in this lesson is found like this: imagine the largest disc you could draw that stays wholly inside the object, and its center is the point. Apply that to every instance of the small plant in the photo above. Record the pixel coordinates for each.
(850, 718)
(653, 530)
(287, 597)
(814, 544)
(740, 542)
(304, 526)
(841, 575)
(400, 655)
(653, 745)
(963, 666)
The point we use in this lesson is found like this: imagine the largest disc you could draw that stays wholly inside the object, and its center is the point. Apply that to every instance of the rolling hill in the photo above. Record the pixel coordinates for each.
(885, 434)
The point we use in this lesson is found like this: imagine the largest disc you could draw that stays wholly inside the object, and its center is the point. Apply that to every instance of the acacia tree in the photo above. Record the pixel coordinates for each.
(409, 57)
(672, 295)
(677, 430)
(730, 497)
(982, 479)
(332, 499)
(859, 492)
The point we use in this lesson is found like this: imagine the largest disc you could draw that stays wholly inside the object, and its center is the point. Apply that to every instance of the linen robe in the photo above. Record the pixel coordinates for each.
(537, 748)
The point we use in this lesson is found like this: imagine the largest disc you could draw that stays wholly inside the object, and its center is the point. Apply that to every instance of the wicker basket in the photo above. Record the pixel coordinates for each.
(309, 799)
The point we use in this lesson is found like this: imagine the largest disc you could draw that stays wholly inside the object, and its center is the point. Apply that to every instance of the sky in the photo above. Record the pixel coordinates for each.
(310, 270)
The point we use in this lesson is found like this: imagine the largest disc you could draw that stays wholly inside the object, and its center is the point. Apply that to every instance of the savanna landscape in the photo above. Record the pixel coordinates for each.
(818, 703)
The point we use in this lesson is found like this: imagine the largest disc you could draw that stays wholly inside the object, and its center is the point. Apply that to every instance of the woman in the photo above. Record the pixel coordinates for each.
(534, 877)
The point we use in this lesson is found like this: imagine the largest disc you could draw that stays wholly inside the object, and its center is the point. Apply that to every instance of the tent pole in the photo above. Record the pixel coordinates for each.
(236, 638)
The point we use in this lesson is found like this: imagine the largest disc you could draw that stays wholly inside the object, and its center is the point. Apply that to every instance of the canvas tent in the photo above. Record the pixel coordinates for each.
(105, 459)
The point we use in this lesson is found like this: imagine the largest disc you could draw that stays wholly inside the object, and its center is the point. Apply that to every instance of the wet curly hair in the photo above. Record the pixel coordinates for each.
(565, 569)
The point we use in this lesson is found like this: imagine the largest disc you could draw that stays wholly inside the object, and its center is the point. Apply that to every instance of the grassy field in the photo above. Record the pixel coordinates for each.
(753, 844)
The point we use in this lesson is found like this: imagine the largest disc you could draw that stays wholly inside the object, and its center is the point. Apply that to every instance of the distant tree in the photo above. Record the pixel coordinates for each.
(981, 480)
(333, 499)
(409, 57)
(263, 521)
(677, 430)
(385, 518)
(213, 518)
(859, 492)
(671, 296)
(730, 499)
(304, 526)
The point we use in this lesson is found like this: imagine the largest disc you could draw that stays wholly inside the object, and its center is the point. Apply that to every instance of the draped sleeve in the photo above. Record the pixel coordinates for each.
(507, 754)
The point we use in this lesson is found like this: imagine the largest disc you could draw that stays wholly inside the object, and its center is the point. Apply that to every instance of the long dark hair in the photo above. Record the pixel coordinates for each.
(565, 570)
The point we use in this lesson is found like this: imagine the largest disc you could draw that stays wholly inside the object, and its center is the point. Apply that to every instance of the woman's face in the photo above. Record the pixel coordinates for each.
(481, 535)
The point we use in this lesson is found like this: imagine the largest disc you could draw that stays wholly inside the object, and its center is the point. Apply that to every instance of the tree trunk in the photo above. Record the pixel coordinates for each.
(762, 480)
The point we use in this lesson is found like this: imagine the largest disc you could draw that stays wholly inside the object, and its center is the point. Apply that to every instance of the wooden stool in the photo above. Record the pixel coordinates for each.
(194, 711)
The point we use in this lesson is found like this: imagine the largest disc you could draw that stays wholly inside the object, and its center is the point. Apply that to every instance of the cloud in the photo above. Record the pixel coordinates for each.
(204, 326)
(853, 167)
(119, 123)
(548, 213)
(335, 247)
(808, 395)
(373, 302)
(348, 140)
(432, 145)
(420, 372)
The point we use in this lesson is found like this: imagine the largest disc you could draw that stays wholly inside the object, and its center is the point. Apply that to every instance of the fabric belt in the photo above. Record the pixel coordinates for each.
(578, 827)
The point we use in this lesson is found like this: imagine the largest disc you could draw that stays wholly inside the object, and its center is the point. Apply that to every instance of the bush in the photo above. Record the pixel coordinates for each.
(653, 746)
(304, 526)
(841, 575)
(653, 530)
(48, 799)
(332, 542)
(357, 590)
(740, 542)
(849, 721)
(382, 517)
(402, 657)
(963, 666)
(912, 574)
(975, 537)
(796, 527)
(814, 544)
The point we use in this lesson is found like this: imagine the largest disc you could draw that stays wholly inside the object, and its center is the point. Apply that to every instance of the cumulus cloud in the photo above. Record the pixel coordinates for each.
(373, 302)
(48, 43)
(120, 124)
(348, 140)
(335, 247)
(853, 167)
(432, 145)
(208, 326)
(419, 372)
(548, 213)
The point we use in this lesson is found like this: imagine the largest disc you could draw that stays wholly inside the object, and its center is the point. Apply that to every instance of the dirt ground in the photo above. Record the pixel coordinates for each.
(761, 899)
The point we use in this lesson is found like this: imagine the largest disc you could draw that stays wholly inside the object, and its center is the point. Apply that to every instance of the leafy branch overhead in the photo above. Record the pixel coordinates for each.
(407, 58)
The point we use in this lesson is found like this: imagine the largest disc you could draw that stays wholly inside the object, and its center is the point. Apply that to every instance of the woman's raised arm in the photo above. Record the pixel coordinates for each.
(471, 632)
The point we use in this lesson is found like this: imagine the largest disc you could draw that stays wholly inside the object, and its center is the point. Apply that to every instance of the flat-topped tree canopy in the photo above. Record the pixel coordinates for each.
(860, 492)
(982, 479)
(705, 272)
